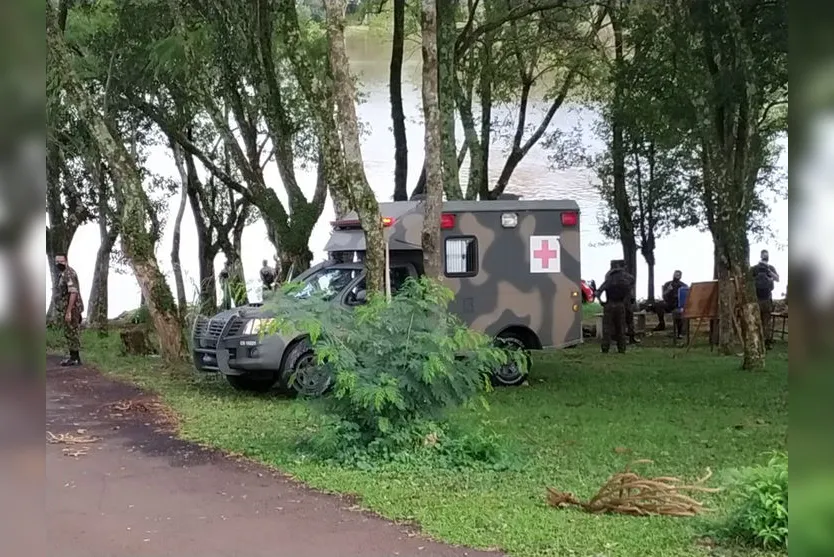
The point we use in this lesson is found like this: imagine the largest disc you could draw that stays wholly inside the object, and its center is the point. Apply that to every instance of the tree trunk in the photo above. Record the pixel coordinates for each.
(237, 278)
(726, 305)
(98, 306)
(650, 264)
(420, 187)
(59, 233)
(131, 198)
(446, 38)
(239, 275)
(361, 195)
(745, 318)
(618, 154)
(206, 248)
(182, 302)
(208, 288)
(433, 144)
(485, 94)
(397, 113)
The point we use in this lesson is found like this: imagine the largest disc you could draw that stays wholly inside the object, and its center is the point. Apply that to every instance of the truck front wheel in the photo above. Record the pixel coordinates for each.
(302, 375)
(250, 384)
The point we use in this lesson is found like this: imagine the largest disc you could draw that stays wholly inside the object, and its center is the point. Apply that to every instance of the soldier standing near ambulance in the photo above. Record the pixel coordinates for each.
(617, 287)
(630, 301)
(70, 306)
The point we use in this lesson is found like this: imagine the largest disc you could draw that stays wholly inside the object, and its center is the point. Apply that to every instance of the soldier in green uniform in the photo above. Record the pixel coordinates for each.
(617, 288)
(70, 306)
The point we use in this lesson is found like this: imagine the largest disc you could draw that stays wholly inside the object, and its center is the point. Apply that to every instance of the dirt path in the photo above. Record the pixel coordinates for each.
(138, 491)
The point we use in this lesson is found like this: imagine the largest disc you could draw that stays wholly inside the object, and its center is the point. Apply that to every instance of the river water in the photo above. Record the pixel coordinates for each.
(688, 250)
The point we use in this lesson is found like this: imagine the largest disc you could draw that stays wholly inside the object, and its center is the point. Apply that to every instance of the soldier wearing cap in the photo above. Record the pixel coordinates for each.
(70, 307)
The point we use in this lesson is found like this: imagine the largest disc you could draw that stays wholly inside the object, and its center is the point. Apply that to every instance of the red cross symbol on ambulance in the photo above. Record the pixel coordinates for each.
(545, 254)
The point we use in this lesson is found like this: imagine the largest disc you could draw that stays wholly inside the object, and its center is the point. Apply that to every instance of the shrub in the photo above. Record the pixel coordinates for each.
(396, 365)
(141, 316)
(759, 514)
(428, 444)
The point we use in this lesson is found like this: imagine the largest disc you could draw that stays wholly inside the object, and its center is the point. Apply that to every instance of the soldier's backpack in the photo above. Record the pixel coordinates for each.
(764, 284)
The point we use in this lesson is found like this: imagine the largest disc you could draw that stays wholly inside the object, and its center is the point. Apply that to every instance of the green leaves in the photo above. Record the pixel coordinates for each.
(395, 364)
(760, 514)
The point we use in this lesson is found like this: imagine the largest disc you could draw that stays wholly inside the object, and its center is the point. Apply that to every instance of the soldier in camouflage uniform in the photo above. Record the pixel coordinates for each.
(629, 303)
(617, 287)
(70, 306)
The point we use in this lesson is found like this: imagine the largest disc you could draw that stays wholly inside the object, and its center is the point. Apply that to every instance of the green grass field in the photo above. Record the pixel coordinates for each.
(583, 417)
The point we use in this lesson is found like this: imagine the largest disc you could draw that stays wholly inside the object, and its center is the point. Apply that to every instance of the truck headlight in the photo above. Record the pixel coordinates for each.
(258, 326)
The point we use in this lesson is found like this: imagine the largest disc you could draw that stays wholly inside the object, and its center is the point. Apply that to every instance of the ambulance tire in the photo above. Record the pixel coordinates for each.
(250, 384)
(510, 375)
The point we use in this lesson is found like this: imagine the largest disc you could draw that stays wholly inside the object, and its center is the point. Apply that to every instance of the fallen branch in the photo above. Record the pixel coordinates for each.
(69, 438)
(628, 493)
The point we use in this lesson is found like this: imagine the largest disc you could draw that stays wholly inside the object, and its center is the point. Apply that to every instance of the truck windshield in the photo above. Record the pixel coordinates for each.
(327, 283)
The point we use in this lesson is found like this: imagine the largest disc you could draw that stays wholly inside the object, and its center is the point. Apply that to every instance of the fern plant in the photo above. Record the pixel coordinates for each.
(394, 364)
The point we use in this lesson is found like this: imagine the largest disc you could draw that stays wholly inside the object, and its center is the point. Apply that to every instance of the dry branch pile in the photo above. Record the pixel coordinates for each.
(628, 493)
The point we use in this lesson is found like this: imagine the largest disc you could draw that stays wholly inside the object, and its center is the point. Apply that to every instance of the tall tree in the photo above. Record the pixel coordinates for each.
(182, 302)
(433, 143)
(395, 87)
(618, 147)
(446, 16)
(518, 51)
(127, 185)
(356, 186)
(108, 232)
(216, 211)
(726, 84)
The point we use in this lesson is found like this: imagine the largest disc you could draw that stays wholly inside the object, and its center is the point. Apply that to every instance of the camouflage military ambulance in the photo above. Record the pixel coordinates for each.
(514, 266)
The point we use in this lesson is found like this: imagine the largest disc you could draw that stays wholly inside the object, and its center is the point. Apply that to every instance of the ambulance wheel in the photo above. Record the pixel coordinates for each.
(250, 384)
(510, 375)
(301, 375)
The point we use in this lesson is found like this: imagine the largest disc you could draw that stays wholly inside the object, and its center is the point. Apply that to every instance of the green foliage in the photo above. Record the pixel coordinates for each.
(760, 512)
(421, 444)
(141, 316)
(395, 364)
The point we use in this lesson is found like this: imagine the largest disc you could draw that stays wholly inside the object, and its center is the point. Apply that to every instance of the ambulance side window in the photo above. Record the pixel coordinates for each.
(461, 256)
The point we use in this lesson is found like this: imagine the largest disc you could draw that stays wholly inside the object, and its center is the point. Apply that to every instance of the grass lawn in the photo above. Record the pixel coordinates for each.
(583, 417)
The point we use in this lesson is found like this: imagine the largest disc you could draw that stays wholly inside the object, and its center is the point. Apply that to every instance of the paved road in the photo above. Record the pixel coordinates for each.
(140, 492)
